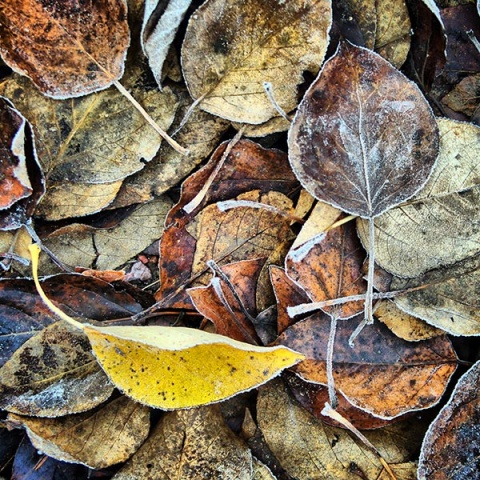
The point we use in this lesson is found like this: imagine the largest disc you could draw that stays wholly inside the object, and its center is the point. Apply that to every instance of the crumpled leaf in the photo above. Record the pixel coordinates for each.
(329, 266)
(52, 44)
(232, 47)
(160, 24)
(52, 374)
(450, 447)
(97, 439)
(177, 367)
(449, 300)
(218, 303)
(382, 374)
(308, 448)
(190, 444)
(364, 138)
(441, 224)
(464, 97)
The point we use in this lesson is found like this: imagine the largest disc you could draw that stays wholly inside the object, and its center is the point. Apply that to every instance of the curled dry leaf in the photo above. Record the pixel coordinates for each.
(190, 444)
(52, 374)
(97, 439)
(308, 448)
(329, 266)
(52, 44)
(450, 447)
(232, 47)
(14, 181)
(160, 24)
(441, 224)
(382, 374)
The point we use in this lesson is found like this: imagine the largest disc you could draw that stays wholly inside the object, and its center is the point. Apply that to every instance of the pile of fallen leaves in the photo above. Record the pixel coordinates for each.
(318, 274)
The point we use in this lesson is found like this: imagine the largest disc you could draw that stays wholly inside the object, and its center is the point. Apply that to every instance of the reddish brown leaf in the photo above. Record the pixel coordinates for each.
(271, 172)
(329, 266)
(67, 50)
(382, 374)
(287, 293)
(450, 447)
(218, 303)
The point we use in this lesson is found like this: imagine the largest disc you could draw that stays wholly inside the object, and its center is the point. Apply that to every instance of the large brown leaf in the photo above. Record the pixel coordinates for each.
(364, 139)
(232, 47)
(68, 50)
(382, 374)
(450, 447)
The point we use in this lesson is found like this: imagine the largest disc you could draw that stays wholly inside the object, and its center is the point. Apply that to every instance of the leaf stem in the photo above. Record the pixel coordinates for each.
(332, 396)
(150, 120)
(34, 253)
(371, 271)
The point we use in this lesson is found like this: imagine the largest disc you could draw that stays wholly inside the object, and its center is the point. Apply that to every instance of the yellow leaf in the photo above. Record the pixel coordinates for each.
(175, 367)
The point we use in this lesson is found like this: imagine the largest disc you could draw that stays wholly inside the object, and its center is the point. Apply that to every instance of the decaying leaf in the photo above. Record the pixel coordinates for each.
(190, 444)
(98, 439)
(52, 44)
(441, 224)
(232, 47)
(382, 374)
(364, 139)
(308, 448)
(450, 447)
(329, 266)
(53, 373)
(465, 96)
(449, 299)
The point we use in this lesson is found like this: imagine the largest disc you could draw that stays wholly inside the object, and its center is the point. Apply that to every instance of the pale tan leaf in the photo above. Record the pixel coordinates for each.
(232, 47)
(441, 224)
